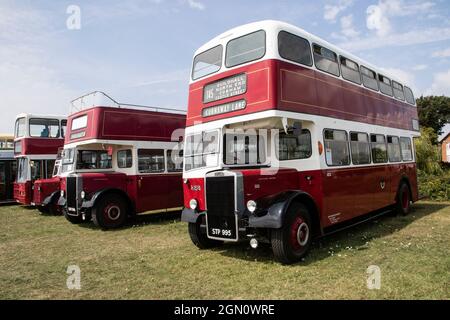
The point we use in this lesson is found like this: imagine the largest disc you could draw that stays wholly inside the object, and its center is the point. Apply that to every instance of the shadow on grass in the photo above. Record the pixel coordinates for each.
(140, 221)
(355, 238)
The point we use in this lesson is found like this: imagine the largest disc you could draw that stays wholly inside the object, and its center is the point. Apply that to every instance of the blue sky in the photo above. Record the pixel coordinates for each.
(140, 51)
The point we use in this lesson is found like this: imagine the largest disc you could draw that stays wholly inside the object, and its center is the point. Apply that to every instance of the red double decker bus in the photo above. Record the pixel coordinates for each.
(37, 139)
(289, 138)
(120, 160)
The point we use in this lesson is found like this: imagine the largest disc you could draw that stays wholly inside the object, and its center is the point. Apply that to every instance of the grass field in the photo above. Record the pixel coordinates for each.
(154, 259)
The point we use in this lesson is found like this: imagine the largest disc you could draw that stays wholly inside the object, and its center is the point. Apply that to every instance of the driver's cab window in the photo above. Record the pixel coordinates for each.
(244, 149)
(36, 169)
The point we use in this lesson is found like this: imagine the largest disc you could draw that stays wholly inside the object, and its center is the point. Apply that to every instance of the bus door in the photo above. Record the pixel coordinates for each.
(152, 184)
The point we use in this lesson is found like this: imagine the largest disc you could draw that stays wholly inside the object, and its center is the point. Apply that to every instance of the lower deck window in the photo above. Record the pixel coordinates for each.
(124, 159)
(151, 160)
(290, 146)
(359, 143)
(378, 144)
(406, 148)
(336, 147)
(394, 149)
(174, 160)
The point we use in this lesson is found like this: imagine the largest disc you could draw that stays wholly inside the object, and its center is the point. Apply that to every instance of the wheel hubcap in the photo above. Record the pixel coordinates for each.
(113, 212)
(299, 233)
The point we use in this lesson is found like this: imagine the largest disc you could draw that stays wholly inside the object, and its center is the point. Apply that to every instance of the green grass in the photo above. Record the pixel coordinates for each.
(154, 259)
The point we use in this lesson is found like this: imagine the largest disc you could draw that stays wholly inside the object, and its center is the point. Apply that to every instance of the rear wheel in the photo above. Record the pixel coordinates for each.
(403, 203)
(291, 242)
(72, 219)
(110, 212)
(198, 234)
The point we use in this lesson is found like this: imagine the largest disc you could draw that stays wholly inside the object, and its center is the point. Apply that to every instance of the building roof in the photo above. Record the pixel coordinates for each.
(444, 137)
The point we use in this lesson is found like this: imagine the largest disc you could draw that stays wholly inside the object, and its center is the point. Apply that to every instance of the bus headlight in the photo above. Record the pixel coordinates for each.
(61, 193)
(82, 194)
(193, 204)
(251, 206)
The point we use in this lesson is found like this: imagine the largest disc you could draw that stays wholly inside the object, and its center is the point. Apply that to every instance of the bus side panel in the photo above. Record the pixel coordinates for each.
(22, 192)
(351, 192)
(175, 190)
(152, 192)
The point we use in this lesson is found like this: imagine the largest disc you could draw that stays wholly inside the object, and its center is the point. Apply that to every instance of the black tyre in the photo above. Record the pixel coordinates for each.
(291, 242)
(43, 209)
(403, 202)
(72, 219)
(53, 208)
(197, 232)
(110, 212)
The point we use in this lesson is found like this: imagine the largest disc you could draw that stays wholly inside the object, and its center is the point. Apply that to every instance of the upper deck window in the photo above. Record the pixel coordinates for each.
(294, 48)
(63, 128)
(398, 90)
(385, 85)
(19, 131)
(246, 48)
(326, 60)
(44, 128)
(79, 123)
(350, 70)
(207, 62)
(409, 96)
(369, 78)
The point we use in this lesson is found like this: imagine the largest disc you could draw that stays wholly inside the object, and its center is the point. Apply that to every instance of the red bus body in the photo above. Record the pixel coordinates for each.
(35, 151)
(275, 89)
(111, 130)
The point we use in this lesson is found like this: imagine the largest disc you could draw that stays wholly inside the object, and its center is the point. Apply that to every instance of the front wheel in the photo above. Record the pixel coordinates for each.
(72, 219)
(197, 232)
(291, 242)
(403, 203)
(110, 212)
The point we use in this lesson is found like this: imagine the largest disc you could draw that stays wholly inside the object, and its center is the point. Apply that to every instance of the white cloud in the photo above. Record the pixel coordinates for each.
(398, 39)
(332, 11)
(194, 4)
(440, 85)
(378, 15)
(420, 67)
(347, 28)
(441, 53)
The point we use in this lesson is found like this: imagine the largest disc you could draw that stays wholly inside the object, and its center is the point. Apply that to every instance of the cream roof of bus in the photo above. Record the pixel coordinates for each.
(274, 27)
(41, 116)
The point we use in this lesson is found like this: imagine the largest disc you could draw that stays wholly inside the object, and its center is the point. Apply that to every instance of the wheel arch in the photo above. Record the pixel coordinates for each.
(108, 191)
(278, 207)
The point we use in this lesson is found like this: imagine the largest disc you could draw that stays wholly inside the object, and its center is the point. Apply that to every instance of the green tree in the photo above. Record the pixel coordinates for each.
(428, 155)
(434, 112)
